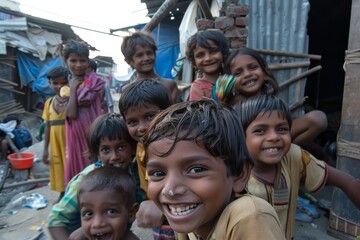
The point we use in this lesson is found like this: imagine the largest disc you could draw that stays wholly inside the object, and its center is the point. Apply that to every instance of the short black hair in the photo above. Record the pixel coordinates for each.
(93, 65)
(58, 72)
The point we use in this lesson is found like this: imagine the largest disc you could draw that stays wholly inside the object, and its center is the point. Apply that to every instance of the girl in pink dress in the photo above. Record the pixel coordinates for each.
(83, 107)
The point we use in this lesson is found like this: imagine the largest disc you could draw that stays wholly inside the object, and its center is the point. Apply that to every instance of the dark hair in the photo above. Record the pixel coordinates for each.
(270, 86)
(143, 91)
(210, 125)
(77, 47)
(250, 108)
(93, 64)
(202, 38)
(111, 126)
(143, 39)
(58, 72)
(109, 177)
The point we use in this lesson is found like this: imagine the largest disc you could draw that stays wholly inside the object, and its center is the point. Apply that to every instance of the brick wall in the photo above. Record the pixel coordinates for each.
(232, 22)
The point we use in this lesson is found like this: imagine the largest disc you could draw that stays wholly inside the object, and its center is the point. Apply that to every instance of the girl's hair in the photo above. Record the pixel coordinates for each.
(145, 91)
(77, 47)
(58, 72)
(111, 126)
(109, 178)
(212, 126)
(202, 38)
(249, 109)
(143, 39)
(270, 86)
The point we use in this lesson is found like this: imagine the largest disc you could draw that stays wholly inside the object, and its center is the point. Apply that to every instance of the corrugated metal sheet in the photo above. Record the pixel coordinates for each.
(280, 25)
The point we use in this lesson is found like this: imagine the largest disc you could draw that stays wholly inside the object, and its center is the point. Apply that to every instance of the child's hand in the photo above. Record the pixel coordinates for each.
(45, 157)
(78, 234)
(149, 215)
(74, 82)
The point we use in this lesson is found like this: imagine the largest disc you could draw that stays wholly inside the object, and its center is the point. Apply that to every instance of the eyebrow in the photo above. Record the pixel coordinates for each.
(188, 159)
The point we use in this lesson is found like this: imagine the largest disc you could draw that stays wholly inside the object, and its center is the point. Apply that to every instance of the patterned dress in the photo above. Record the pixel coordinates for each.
(89, 108)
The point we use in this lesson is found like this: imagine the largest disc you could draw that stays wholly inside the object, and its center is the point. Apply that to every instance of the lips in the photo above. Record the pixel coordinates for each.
(102, 236)
(182, 210)
(249, 83)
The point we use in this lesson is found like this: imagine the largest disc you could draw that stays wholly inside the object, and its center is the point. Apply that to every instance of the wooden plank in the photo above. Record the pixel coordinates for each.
(298, 77)
(204, 6)
(348, 159)
(289, 54)
(162, 12)
(13, 90)
(8, 82)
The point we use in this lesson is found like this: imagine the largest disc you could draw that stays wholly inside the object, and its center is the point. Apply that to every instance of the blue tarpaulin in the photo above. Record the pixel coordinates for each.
(33, 72)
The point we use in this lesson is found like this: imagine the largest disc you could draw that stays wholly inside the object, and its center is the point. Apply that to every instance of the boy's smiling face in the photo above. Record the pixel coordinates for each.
(138, 117)
(117, 152)
(189, 185)
(104, 214)
(143, 59)
(268, 138)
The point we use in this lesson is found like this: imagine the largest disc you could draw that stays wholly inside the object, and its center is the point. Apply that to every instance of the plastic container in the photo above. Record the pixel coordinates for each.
(25, 162)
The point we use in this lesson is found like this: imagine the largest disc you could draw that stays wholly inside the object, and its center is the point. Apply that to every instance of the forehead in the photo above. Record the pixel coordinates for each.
(141, 109)
(59, 80)
(139, 49)
(242, 59)
(272, 116)
(75, 56)
(209, 43)
(105, 196)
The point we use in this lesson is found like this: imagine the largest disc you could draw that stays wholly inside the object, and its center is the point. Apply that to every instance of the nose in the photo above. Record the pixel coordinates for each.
(114, 155)
(272, 135)
(174, 186)
(142, 126)
(98, 222)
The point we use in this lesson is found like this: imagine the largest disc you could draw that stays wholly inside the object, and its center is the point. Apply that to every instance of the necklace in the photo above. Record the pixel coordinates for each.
(60, 101)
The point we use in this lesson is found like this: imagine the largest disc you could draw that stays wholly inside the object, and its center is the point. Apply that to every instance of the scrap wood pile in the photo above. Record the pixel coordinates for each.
(11, 107)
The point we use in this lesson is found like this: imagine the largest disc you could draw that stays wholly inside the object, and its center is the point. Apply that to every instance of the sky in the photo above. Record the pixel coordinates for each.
(99, 16)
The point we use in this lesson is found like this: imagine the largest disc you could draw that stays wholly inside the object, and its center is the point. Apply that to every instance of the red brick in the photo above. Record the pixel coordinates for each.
(241, 21)
(236, 11)
(238, 42)
(224, 22)
(204, 23)
(236, 32)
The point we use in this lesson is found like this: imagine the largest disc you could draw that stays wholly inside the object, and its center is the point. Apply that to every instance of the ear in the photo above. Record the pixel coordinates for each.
(132, 212)
(241, 180)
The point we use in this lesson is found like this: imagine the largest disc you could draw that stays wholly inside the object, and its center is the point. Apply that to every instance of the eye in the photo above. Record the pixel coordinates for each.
(110, 211)
(131, 123)
(259, 131)
(253, 67)
(156, 175)
(121, 147)
(150, 117)
(199, 55)
(104, 150)
(237, 73)
(86, 213)
(283, 130)
(197, 169)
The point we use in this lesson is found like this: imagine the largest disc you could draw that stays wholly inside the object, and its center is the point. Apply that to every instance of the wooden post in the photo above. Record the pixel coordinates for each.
(162, 12)
(344, 219)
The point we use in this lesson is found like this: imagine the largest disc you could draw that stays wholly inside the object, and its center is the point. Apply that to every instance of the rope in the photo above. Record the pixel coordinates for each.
(351, 57)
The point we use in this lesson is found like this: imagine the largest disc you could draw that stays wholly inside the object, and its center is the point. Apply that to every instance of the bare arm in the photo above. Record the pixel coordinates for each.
(72, 105)
(59, 233)
(45, 157)
(346, 183)
(174, 92)
(149, 215)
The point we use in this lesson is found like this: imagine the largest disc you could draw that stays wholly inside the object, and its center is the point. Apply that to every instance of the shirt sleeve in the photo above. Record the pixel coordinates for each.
(195, 91)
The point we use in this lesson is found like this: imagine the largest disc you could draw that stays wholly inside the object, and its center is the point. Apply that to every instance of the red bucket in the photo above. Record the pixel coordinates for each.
(25, 162)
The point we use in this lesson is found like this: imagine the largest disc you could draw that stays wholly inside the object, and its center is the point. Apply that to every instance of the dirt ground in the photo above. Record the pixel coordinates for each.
(25, 223)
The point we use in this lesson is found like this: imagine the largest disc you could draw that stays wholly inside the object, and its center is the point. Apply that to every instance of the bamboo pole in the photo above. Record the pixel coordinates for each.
(19, 184)
(289, 54)
(298, 77)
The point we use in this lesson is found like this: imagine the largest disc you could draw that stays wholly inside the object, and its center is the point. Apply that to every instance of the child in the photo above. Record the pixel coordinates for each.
(18, 134)
(139, 102)
(139, 50)
(279, 166)
(197, 161)
(206, 50)
(107, 103)
(110, 142)
(253, 78)
(83, 107)
(54, 117)
(106, 198)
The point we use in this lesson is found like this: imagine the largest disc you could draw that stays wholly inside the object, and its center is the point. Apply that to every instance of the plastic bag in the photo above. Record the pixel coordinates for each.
(36, 201)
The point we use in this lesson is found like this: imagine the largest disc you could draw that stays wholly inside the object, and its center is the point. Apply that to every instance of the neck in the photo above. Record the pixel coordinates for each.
(211, 77)
(150, 75)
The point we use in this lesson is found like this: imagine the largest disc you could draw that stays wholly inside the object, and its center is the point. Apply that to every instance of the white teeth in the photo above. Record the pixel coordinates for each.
(250, 83)
(271, 150)
(182, 210)
(116, 164)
